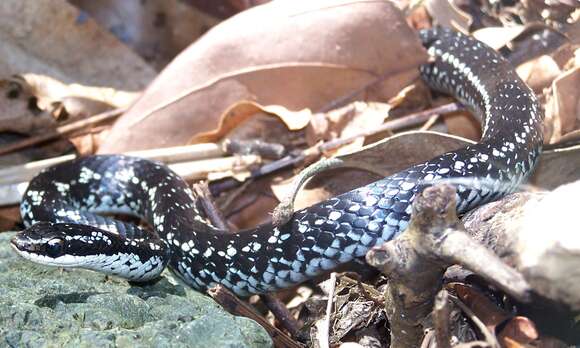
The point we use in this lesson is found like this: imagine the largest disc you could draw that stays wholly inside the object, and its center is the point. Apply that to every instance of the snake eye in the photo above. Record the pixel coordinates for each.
(54, 247)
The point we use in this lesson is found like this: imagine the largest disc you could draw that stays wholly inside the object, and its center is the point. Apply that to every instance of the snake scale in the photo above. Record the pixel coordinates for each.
(61, 206)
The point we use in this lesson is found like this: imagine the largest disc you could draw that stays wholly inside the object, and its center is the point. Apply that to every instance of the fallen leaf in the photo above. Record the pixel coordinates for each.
(557, 167)
(463, 124)
(519, 329)
(482, 307)
(156, 30)
(564, 108)
(345, 122)
(19, 110)
(53, 38)
(497, 37)
(224, 8)
(273, 64)
(539, 73)
(245, 110)
(446, 14)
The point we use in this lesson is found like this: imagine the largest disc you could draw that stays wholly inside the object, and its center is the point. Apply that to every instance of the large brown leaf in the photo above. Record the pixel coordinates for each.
(52, 37)
(297, 54)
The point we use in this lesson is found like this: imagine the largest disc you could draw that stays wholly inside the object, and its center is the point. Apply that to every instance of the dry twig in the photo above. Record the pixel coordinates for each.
(416, 261)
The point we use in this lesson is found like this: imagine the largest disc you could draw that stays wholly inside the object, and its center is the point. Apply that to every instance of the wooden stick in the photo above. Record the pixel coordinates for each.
(180, 153)
(323, 325)
(399, 123)
(238, 307)
(25, 172)
(199, 169)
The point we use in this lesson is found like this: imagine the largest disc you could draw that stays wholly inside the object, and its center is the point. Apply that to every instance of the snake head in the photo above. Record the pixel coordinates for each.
(84, 246)
(59, 244)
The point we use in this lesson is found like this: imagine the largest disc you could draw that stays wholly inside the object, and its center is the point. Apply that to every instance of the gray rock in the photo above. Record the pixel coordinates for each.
(45, 306)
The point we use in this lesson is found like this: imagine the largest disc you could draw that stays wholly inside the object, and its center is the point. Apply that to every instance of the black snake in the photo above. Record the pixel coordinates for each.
(61, 204)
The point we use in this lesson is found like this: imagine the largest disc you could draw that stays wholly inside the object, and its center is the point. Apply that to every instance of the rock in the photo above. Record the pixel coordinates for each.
(46, 306)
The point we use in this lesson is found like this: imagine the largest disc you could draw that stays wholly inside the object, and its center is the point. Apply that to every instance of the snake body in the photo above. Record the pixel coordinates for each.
(61, 205)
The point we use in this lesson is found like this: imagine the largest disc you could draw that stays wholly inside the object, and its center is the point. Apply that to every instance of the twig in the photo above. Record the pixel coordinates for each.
(489, 336)
(24, 172)
(269, 168)
(180, 153)
(416, 261)
(62, 130)
(199, 169)
(213, 213)
(284, 211)
(257, 147)
(232, 304)
(324, 325)
(282, 314)
(402, 122)
(441, 313)
(11, 192)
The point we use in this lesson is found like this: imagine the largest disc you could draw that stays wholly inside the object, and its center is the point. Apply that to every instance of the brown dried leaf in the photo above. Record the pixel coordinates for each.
(557, 167)
(446, 14)
(518, 329)
(224, 8)
(564, 108)
(345, 122)
(463, 124)
(19, 111)
(539, 73)
(156, 30)
(54, 38)
(243, 111)
(302, 55)
(481, 306)
(35, 103)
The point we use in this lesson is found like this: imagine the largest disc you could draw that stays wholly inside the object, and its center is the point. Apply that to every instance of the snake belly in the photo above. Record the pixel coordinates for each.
(69, 196)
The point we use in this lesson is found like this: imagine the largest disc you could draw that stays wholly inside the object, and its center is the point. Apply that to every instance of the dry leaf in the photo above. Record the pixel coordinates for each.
(557, 167)
(519, 329)
(539, 73)
(19, 111)
(224, 8)
(497, 37)
(156, 30)
(345, 122)
(564, 108)
(301, 55)
(446, 14)
(245, 110)
(53, 38)
(463, 124)
(482, 307)
(36, 103)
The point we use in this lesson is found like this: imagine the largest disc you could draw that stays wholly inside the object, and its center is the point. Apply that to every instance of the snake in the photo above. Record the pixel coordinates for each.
(66, 208)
